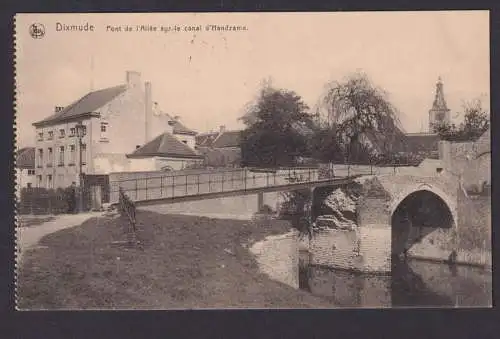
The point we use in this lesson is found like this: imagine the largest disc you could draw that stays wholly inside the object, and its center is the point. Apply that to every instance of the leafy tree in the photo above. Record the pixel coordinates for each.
(476, 122)
(361, 115)
(326, 146)
(272, 136)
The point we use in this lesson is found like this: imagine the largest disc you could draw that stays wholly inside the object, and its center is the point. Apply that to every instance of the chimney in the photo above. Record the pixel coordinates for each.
(222, 129)
(58, 109)
(133, 79)
(148, 103)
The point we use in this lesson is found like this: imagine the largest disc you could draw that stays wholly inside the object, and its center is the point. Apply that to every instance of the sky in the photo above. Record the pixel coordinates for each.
(207, 77)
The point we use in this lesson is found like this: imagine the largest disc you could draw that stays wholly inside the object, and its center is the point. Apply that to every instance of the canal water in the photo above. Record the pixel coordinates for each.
(412, 283)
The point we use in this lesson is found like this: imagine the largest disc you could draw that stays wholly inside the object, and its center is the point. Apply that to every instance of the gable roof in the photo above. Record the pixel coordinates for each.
(228, 139)
(206, 139)
(25, 158)
(87, 104)
(165, 145)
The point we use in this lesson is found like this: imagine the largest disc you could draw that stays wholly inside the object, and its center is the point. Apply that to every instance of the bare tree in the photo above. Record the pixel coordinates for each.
(361, 114)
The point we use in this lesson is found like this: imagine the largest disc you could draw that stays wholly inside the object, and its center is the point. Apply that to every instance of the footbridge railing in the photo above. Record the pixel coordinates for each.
(141, 186)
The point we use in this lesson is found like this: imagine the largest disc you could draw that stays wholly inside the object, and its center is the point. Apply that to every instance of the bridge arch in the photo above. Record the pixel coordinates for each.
(451, 203)
(417, 212)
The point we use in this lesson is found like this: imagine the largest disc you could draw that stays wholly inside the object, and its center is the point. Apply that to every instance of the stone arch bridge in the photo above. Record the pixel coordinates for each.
(412, 215)
(412, 212)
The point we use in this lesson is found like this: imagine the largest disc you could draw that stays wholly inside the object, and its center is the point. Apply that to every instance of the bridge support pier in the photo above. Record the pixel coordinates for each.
(366, 249)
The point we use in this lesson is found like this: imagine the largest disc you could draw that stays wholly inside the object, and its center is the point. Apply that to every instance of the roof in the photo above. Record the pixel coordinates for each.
(206, 139)
(87, 104)
(228, 139)
(221, 156)
(165, 145)
(25, 158)
(379, 141)
(179, 128)
(422, 143)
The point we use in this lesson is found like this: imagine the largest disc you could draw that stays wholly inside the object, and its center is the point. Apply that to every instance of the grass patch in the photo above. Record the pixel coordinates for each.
(183, 262)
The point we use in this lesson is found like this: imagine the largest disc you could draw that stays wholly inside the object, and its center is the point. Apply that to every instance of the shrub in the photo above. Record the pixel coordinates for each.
(43, 201)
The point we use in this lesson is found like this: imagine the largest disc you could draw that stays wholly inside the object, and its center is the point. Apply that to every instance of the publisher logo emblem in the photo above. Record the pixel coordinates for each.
(37, 31)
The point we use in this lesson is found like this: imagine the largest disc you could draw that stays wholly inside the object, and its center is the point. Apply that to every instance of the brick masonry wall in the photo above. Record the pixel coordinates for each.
(278, 257)
(474, 229)
(464, 158)
(470, 238)
(335, 248)
(375, 247)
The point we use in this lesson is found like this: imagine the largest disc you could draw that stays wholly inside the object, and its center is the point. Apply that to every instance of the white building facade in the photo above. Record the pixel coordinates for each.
(117, 120)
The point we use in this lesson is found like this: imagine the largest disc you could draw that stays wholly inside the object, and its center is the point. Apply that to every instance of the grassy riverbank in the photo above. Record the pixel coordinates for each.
(183, 262)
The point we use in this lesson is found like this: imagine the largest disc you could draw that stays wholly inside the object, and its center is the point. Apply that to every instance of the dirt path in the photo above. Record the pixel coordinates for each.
(28, 237)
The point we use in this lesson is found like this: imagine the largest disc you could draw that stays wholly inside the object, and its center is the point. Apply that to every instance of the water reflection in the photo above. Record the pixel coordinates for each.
(411, 284)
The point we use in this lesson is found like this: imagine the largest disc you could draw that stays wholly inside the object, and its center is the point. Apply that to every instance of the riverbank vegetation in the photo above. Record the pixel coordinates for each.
(182, 262)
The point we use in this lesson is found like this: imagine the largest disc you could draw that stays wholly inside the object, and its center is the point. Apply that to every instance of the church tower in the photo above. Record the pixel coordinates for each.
(439, 112)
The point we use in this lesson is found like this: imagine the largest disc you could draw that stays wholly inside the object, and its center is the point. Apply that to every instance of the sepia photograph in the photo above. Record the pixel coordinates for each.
(321, 160)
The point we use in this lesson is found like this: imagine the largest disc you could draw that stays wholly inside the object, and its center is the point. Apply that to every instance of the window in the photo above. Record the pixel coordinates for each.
(84, 154)
(28, 185)
(31, 172)
(40, 136)
(84, 130)
(38, 180)
(62, 133)
(40, 157)
(51, 135)
(61, 156)
(184, 141)
(72, 155)
(49, 181)
(104, 132)
(72, 131)
(49, 157)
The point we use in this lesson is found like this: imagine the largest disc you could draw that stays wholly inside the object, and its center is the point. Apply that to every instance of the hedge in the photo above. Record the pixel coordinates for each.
(40, 200)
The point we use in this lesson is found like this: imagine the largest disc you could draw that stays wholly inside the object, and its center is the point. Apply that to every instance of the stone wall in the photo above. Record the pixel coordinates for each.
(474, 229)
(335, 248)
(369, 246)
(471, 160)
(470, 238)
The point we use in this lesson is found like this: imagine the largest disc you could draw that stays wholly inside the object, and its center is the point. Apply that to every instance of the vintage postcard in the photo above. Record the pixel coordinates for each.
(253, 160)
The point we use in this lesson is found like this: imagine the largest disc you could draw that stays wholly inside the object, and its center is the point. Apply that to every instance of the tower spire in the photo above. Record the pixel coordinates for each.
(439, 113)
